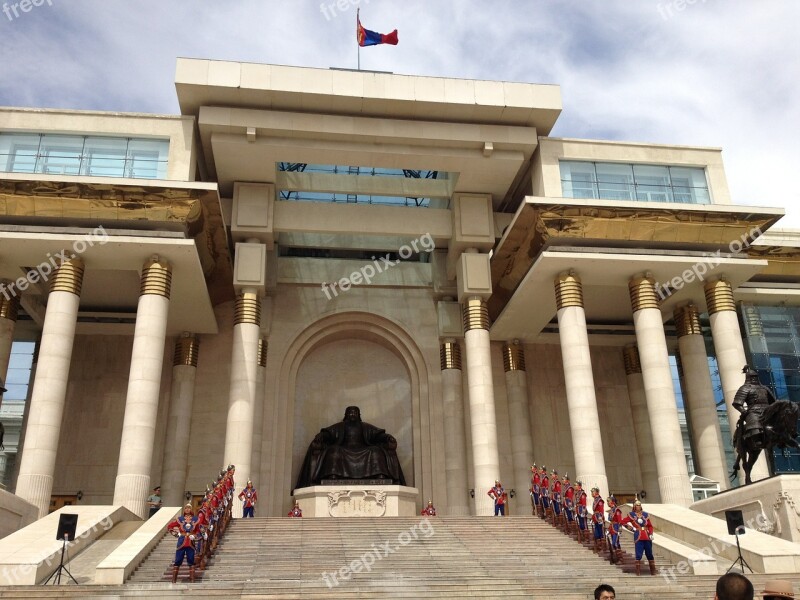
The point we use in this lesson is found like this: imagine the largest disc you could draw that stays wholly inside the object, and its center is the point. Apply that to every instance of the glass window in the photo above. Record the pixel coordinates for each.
(18, 152)
(578, 180)
(95, 156)
(147, 159)
(105, 157)
(652, 183)
(615, 181)
(627, 182)
(60, 155)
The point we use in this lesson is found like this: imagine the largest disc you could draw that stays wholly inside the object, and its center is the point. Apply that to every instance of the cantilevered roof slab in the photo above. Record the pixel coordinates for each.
(605, 274)
(201, 82)
(543, 223)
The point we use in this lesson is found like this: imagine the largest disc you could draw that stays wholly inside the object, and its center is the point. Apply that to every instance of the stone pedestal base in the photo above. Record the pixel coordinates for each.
(357, 501)
(770, 505)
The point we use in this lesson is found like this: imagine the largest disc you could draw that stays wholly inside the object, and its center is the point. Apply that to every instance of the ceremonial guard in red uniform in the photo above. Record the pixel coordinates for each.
(185, 529)
(545, 491)
(429, 511)
(249, 496)
(614, 524)
(536, 482)
(639, 522)
(569, 503)
(598, 519)
(295, 513)
(557, 498)
(498, 494)
(581, 510)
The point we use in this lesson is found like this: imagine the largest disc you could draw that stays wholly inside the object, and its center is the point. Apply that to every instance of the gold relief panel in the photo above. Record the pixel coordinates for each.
(263, 346)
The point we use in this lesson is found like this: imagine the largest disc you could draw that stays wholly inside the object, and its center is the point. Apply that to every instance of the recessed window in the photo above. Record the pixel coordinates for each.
(634, 182)
(95, 156)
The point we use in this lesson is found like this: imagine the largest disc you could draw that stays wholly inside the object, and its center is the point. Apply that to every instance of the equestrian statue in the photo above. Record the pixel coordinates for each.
(765, 423)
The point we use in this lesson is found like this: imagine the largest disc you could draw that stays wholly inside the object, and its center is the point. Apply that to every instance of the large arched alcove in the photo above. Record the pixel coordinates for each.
(353, 333)
(353, 372)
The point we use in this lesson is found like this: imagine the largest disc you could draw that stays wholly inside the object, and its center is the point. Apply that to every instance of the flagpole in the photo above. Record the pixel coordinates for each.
(358, 46)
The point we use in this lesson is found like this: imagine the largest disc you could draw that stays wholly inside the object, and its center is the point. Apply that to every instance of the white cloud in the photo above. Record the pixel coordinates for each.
(717, 73)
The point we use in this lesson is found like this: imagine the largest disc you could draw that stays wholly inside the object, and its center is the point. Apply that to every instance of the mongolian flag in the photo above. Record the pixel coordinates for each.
(366, 37)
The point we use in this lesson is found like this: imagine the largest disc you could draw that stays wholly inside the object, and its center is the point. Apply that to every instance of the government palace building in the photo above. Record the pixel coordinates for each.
(183, 292)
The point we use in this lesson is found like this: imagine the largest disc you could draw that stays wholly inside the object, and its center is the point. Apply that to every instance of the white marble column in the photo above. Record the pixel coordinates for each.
(729, 348)
(179, 422)
(242, 397)
(584, 420)
(673, 474)
(258, 416)
(641, 423)
(132, 485)
(43, 429)
(455, 457)
(9, 307)
(709, 454)
(483, 421)
(519, 423)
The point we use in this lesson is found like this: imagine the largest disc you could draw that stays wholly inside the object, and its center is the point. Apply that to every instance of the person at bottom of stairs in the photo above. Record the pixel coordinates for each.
(185, 528)
(639, 522)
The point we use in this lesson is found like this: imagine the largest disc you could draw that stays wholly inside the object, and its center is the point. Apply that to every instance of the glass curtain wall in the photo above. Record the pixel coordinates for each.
(773, 346)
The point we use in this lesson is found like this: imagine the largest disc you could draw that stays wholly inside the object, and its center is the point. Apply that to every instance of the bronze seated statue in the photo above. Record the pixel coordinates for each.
(353, 450)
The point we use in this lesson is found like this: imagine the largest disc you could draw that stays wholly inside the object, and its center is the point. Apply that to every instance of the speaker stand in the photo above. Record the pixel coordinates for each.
(56, 575)
(740, 560)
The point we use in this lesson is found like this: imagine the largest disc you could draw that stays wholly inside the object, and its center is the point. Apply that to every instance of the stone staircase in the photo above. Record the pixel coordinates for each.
(444, 557)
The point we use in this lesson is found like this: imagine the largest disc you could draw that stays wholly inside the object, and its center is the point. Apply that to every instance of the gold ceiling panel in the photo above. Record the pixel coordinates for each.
(541, 224)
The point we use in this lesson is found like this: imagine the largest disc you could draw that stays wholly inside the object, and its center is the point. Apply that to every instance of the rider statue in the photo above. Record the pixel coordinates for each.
(752, 399)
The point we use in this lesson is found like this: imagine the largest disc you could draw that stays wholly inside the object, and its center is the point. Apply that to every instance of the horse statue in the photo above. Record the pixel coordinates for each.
(765, 424)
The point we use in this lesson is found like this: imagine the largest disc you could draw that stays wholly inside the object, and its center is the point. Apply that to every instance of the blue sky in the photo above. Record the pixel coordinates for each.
(710, 72)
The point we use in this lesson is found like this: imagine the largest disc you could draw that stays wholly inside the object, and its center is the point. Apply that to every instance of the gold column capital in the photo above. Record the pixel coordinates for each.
(643, 293)
(450, 355)
(248, 309)
(513, 356)
(9, 306)
(475, 314)
(68, 277)
(687, 320)
(263, 346)
(187, 350)
(569, 290)
(156, 278)
(719, 296)
(630, 355)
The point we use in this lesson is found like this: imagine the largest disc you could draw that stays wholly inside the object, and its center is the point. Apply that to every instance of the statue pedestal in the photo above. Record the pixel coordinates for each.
(348, 500)
(770, 505)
